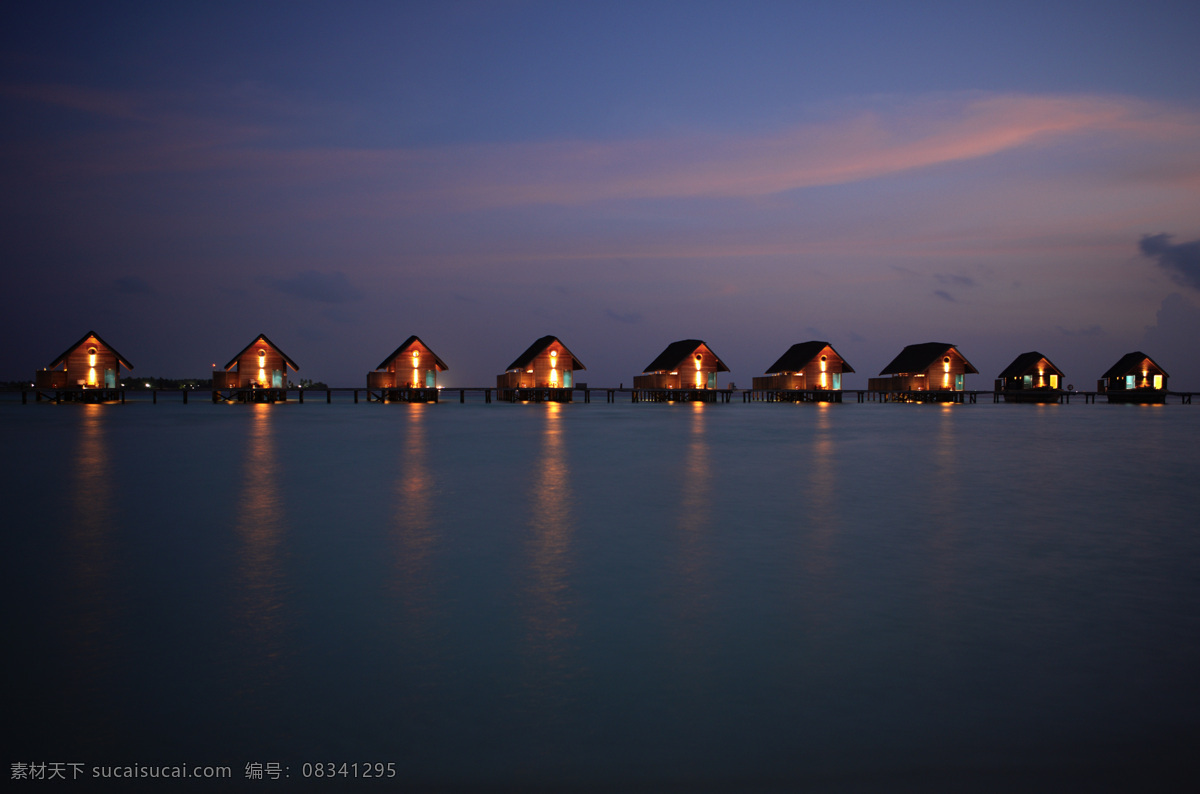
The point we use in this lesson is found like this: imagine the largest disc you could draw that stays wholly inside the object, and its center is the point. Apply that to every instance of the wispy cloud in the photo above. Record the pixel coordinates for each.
(946, 296)
(623, 317)
(867, 139)
(312, 285)
(954, 280)
(1181, 260)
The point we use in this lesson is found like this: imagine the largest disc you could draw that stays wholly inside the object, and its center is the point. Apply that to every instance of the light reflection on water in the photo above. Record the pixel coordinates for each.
(94, 579)
(550, 625)
(678, 594)
(260, 524)
(693, 525)
(415, 530)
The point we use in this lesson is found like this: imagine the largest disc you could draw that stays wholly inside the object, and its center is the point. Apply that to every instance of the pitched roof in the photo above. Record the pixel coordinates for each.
(537, 347)
(678, 352)
(1025, 362)
(1130, 362)
(918, 358)
(120, 358)
(798, 355)
(441, 365)
(263, 337)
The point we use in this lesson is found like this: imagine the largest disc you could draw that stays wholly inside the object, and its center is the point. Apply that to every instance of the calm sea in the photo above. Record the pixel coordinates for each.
(598, 597)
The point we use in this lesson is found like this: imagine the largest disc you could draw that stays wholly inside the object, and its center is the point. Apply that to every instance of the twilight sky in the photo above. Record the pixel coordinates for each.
(1002, 176)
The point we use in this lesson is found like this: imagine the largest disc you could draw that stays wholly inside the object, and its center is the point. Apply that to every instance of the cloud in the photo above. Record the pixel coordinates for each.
(861, 140)
(132, 285)
(946, 296)
(954, 280)
(1171, 341)
(623, 317)
(319, 287)
(1181, 260)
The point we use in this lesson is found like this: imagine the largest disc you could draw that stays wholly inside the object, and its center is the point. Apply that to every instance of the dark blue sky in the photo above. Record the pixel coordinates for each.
(618, 174)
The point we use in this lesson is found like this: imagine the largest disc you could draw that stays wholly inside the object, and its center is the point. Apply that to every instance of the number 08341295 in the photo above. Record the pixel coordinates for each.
(331, 769)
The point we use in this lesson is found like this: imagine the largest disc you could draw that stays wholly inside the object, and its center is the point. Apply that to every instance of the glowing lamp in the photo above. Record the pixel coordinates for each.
(91, 356)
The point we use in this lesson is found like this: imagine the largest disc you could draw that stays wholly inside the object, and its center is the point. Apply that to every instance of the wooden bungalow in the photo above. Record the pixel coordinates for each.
(545, 371)
(936, 368)
(1136, 378)
(686, 365)
(89, 370)
(805, 367)
(1031, 378)
(408, 374)
(260, 368)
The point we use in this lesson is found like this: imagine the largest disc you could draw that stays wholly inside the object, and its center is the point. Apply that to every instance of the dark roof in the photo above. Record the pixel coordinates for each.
(263, 337)
(1025, 362)
(120, 358)
(1130, 362)
(678, 352)
(918, 358)
(798, 355)
(537, 347)
(408, 343)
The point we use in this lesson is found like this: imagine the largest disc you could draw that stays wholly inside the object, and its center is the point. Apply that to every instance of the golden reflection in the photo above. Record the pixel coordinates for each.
(820, 504)
(260, 524)
(695, 514)
(90, 530)
(552, 527)
(945, 504)
(415, 537)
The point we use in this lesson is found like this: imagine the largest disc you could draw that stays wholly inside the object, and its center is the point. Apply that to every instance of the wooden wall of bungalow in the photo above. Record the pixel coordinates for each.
(1135, 378)
(261, 364)
(412, 365)
(945, 373)
(1030, 372)
(824, 362)
(695, 368)
(551, 368)
(90, 363)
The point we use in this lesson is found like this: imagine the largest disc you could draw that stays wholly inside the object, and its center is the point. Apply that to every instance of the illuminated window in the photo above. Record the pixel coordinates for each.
(1053, 381)
(1158, 381)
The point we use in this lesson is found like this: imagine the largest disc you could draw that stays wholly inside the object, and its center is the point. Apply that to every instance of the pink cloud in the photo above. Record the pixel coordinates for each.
(876, 139)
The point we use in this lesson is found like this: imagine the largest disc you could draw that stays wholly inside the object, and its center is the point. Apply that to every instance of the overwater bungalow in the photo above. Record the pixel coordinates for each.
(688, 364)
(806, 366)
(261, 366)
(936, 368)
(409, 373)
(1031, 378)
(1136, 378)
(90, 369)
(545, 371)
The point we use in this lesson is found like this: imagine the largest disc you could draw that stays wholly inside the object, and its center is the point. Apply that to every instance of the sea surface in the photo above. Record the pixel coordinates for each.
(593, 597)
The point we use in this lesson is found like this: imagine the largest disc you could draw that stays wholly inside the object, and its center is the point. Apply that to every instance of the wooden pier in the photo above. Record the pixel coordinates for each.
(74, 394)
(681, 395)
(487, 395)
(792, 396)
